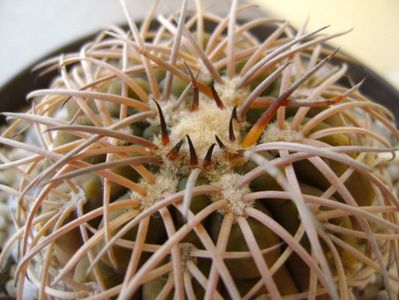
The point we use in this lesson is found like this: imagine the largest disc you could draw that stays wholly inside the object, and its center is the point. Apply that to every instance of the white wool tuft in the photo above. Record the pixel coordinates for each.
(233, 195)
(165, 184)
(230, 93)
(274, 134)
(202, 125)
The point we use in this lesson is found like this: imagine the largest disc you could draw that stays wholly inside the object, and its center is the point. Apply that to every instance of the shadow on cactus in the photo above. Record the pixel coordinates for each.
(179, 162)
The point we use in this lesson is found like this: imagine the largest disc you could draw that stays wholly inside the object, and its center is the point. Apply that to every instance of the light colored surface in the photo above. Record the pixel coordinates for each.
(30, 29)
(375, 36)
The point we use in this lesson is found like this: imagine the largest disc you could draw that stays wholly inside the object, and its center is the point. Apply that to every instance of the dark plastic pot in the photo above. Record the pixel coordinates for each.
(12, 94)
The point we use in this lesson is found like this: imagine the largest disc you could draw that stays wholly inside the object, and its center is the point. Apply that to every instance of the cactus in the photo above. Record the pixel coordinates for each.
(185, 162)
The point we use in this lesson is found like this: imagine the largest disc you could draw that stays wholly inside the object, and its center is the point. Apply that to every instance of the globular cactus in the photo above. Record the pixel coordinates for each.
(188, 159)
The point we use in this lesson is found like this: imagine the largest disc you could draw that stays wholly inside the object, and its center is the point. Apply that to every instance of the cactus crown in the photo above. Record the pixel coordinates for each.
(202, 163)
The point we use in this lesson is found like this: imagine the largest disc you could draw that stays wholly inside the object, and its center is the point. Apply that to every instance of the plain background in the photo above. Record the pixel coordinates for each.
(374, 39)
(29, 29)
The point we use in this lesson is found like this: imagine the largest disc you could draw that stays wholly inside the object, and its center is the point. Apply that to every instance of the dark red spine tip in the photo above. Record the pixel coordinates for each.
(208, 157)
(220, 143)
(193, 154)
(174, 153)
(215, 95)
(164, 128)
(231, 129)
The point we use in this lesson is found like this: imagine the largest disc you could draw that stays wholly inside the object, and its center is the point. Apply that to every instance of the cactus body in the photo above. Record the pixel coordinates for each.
(185, 163)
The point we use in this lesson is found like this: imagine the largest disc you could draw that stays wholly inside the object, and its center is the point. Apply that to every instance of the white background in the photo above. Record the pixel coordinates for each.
(29, 29)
